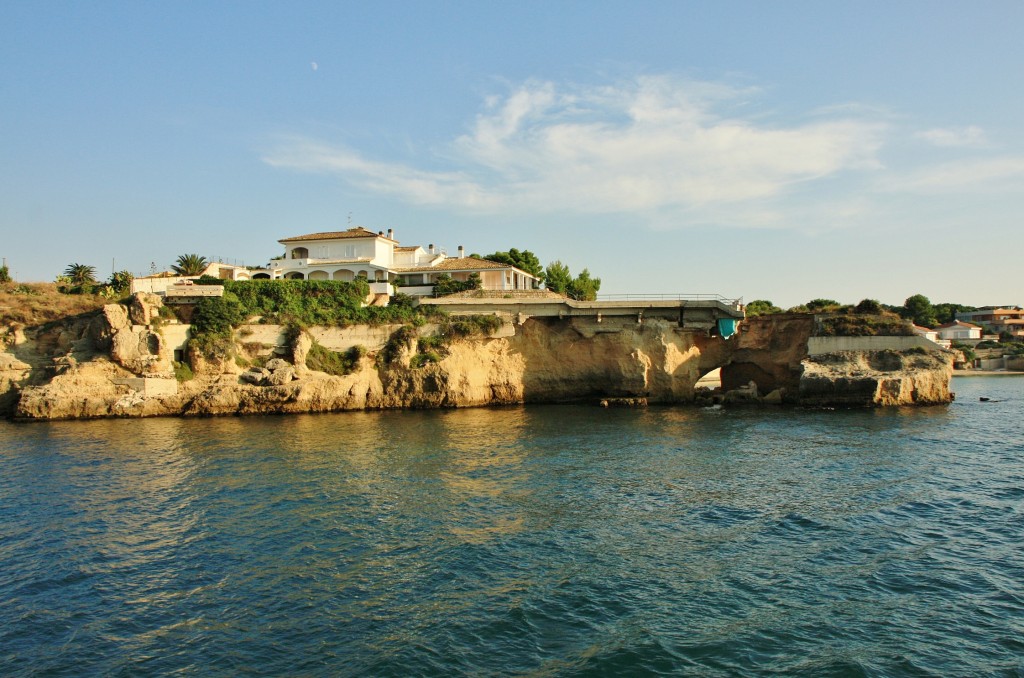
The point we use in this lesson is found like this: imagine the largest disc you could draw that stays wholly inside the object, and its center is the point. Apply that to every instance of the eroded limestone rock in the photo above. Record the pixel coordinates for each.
(877, 378)
(144, 308)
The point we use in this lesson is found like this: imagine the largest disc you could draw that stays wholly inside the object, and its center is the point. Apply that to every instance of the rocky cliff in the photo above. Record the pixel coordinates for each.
(881, 378)
(118, 363)
(772, 357)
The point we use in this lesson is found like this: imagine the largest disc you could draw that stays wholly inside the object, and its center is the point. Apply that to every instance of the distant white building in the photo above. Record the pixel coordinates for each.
(958, 331)
(158, 283)
(378, 258)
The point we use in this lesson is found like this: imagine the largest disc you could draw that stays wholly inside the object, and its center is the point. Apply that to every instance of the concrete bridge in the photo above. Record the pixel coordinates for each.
(698, 312)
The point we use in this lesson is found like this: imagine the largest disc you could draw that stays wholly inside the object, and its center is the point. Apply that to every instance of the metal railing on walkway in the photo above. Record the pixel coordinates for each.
(671, 297)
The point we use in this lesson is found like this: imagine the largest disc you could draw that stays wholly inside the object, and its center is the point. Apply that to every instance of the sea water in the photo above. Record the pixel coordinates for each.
(532, 541)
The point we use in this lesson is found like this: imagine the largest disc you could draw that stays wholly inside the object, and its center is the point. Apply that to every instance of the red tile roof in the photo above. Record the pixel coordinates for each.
(357, 232)
(457, 264)
(959, 323)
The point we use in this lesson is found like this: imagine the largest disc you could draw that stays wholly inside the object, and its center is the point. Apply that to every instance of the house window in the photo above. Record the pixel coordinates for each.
(350, 251)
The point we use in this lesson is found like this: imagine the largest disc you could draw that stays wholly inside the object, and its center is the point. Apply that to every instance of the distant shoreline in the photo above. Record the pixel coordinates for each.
(986, 373)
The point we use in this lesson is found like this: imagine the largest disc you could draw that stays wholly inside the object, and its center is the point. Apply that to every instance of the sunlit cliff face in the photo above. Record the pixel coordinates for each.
(536, 361)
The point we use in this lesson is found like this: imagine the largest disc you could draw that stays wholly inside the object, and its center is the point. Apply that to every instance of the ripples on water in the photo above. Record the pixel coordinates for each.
(528, 541)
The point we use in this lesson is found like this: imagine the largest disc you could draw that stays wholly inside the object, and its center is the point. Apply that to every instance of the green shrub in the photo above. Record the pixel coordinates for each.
(761, 307)
(216, 315)
(400, 338)
(966, 349)
(427, 358)
(471, 325)
(339, 364)
(213, 346)
(182, 371)
(121, 282)
(431, 343)
(292, 331)
(868, 307)
(821, 305)
(445, 285)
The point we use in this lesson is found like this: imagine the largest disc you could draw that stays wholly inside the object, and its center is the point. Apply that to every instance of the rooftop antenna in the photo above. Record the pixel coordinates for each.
(349, 218)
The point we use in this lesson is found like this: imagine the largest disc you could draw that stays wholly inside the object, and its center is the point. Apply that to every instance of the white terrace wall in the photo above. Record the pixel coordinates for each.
(333, 338)
(338, 339)
(821, 345)
(176, 335)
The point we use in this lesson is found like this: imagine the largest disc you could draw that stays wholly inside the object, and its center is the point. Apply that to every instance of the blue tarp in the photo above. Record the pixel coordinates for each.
(727, 326)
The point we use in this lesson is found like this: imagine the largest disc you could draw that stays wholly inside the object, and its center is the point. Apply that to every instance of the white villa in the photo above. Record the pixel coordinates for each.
(959, 330)
(377, 257)
(358, 253)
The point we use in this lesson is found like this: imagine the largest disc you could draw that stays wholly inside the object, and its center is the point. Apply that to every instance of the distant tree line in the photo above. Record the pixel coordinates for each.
(917, 308)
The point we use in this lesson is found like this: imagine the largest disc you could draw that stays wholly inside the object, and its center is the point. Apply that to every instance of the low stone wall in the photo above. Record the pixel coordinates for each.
(149, 386)
(1013, 363)
(823, 345)
(372, 338)
(333, 338)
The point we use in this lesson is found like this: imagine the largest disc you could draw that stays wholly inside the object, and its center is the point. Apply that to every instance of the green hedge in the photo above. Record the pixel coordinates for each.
(864, 326)
(329, 303)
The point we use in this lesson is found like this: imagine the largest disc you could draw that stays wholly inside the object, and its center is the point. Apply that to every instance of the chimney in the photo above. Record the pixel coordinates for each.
(430, 248)
(462, 252)
(380, 232)
(391, 234)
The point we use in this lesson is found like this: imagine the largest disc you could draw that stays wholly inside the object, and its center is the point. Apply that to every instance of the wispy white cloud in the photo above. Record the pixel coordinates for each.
(416, 186)
(670, 153)
(649, 144)
(961, 137)
(986, 174)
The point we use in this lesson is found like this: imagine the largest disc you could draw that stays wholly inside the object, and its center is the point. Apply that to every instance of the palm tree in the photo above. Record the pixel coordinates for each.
(81, 274)
(190, 264)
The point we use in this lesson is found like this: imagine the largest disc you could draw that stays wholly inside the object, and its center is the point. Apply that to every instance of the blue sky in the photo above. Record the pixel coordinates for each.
(778, 150)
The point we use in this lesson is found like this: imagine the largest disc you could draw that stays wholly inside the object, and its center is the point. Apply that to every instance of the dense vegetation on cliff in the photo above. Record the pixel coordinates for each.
(917, 309)
(330, 303)
(866, 319)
